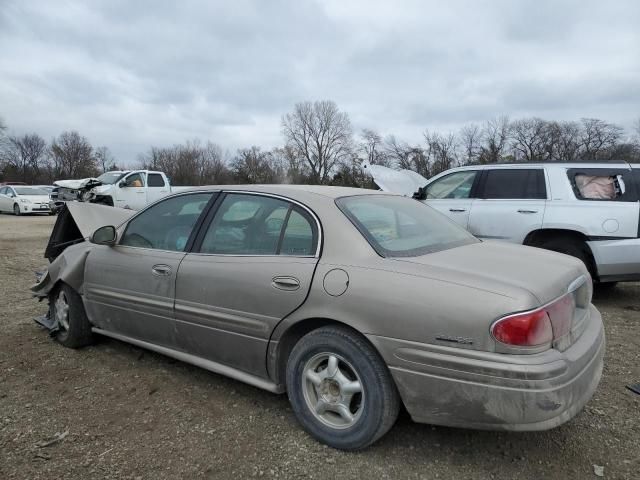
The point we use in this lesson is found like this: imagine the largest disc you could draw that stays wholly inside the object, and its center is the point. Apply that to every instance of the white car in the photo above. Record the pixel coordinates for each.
(588, 210)
(21, 199)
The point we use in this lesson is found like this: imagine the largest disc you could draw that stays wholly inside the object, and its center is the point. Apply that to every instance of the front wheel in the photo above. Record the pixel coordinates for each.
(340, 389)
(67, 309)
(16, 210)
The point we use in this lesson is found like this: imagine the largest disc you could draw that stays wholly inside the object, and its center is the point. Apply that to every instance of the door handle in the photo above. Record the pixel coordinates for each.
(161, 270)
(457, 209)
(527, 211)
(285, 283)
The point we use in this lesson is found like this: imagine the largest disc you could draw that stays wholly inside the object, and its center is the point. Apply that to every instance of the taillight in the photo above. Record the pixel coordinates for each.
(524, 329)
(537, 327)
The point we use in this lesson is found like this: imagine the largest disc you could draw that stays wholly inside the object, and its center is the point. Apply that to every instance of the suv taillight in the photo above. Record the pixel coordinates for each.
(537, 327)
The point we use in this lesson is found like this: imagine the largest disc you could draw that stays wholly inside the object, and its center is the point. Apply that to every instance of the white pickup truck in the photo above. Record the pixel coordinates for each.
(588, 210)
(132, 189)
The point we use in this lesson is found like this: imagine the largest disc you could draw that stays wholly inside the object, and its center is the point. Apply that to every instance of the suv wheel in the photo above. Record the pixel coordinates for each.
(571, 246)
(340, 389)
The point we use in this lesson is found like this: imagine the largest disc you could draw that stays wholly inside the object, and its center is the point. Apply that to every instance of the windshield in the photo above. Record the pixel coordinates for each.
(401, 227)
(110, 178)
(30, 191)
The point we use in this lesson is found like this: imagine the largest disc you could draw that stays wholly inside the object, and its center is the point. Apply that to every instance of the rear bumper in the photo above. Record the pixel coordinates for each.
(617, 260)
(458, 387)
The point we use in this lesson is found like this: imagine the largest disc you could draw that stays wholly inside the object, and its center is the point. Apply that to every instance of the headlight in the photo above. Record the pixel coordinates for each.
(24, 200)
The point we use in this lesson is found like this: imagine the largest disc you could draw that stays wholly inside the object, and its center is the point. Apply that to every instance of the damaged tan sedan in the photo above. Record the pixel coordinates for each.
(354, 302)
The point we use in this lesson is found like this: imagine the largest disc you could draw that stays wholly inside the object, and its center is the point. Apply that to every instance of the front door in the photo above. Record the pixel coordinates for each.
(510, 204)
(132, 192)
(6, 202)
(251, 267)
(130, 287)
(451, 195)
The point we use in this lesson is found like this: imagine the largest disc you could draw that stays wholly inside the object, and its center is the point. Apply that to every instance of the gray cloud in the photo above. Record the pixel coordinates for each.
(131, 74)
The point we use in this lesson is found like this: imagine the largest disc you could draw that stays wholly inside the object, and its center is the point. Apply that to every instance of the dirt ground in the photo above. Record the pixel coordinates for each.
(131, 414)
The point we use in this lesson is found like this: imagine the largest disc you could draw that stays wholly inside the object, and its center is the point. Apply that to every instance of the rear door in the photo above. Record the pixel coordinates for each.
(452, 194)
(510, 204)
(157, 186)
(130, 287)
(251, 266)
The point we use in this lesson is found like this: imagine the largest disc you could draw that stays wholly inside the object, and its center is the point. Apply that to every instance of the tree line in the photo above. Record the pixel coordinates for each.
(321, 147)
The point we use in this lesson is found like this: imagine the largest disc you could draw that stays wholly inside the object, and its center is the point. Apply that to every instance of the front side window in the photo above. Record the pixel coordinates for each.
(166, 225)
(400, 227)
(515, 183)
(259, 225)
(454, 185)
(134, 180)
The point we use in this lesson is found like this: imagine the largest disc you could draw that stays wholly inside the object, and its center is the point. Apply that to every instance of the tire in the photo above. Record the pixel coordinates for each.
(16, 210)
(366, 414)
(571, 246)
(74, 328)
(605, 286)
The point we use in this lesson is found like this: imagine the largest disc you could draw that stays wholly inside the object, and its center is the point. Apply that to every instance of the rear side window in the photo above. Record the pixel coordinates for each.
(155, 180)
(260, 225)
(603, 184)
(515, 184)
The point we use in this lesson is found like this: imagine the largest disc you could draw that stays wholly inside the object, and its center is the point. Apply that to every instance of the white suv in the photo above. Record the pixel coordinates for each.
(588, 210)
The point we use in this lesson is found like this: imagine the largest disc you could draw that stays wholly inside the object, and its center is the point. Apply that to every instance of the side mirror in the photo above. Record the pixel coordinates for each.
(104, 236)
(122, 184)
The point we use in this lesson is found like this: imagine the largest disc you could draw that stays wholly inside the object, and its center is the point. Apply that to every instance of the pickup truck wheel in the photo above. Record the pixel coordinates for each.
(340, 389)
(66, 307)
(16, 210)
(573, 247)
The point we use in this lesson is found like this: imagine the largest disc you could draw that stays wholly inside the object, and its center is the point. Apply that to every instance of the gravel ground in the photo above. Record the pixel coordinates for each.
(127, 413)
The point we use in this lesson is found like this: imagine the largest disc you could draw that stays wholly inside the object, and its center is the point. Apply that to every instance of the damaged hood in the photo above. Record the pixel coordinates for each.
(78, 184)
(77, 221)
(403, 182)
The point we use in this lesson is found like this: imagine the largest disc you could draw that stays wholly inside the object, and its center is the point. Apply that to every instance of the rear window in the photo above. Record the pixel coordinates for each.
(516, 183)
(401, 227)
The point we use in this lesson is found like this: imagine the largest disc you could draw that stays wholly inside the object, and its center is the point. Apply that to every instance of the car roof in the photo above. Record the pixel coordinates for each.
(611, 164)
(297, 192)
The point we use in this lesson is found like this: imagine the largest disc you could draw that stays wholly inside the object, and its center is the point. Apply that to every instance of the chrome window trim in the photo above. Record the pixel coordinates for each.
(245, 192)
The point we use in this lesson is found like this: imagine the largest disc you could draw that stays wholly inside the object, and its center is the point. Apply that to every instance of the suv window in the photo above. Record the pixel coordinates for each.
(603, 184)
(155, 180)
(514, 183)
(166, 225)
(454, 185)
(258, 225)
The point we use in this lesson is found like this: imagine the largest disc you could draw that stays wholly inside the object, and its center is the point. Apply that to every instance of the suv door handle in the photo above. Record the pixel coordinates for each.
(457, 209)
(285, 283)
(527, 211)
(161, 270)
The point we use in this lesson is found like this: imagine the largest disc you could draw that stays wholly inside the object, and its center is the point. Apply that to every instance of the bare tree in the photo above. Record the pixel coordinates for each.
(371, 148)
(104, 159)
(564, 141)
(441, 151)
(321, 134)
(598, 138)
(72, 156)
(294, 167)
(470, 140)
(252, 165)
(25, 155)
(531, 139)
(495, 135)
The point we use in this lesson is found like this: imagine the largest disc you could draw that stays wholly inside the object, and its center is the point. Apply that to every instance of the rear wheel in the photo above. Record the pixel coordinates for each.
(571, 246)
(16, 210)
(66, 307)
(340, 389)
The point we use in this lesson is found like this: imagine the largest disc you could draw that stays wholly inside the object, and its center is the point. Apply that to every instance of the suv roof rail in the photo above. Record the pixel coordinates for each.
(547, 162)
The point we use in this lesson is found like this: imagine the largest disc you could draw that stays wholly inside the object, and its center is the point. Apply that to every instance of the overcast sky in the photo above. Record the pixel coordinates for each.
(129, 74)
